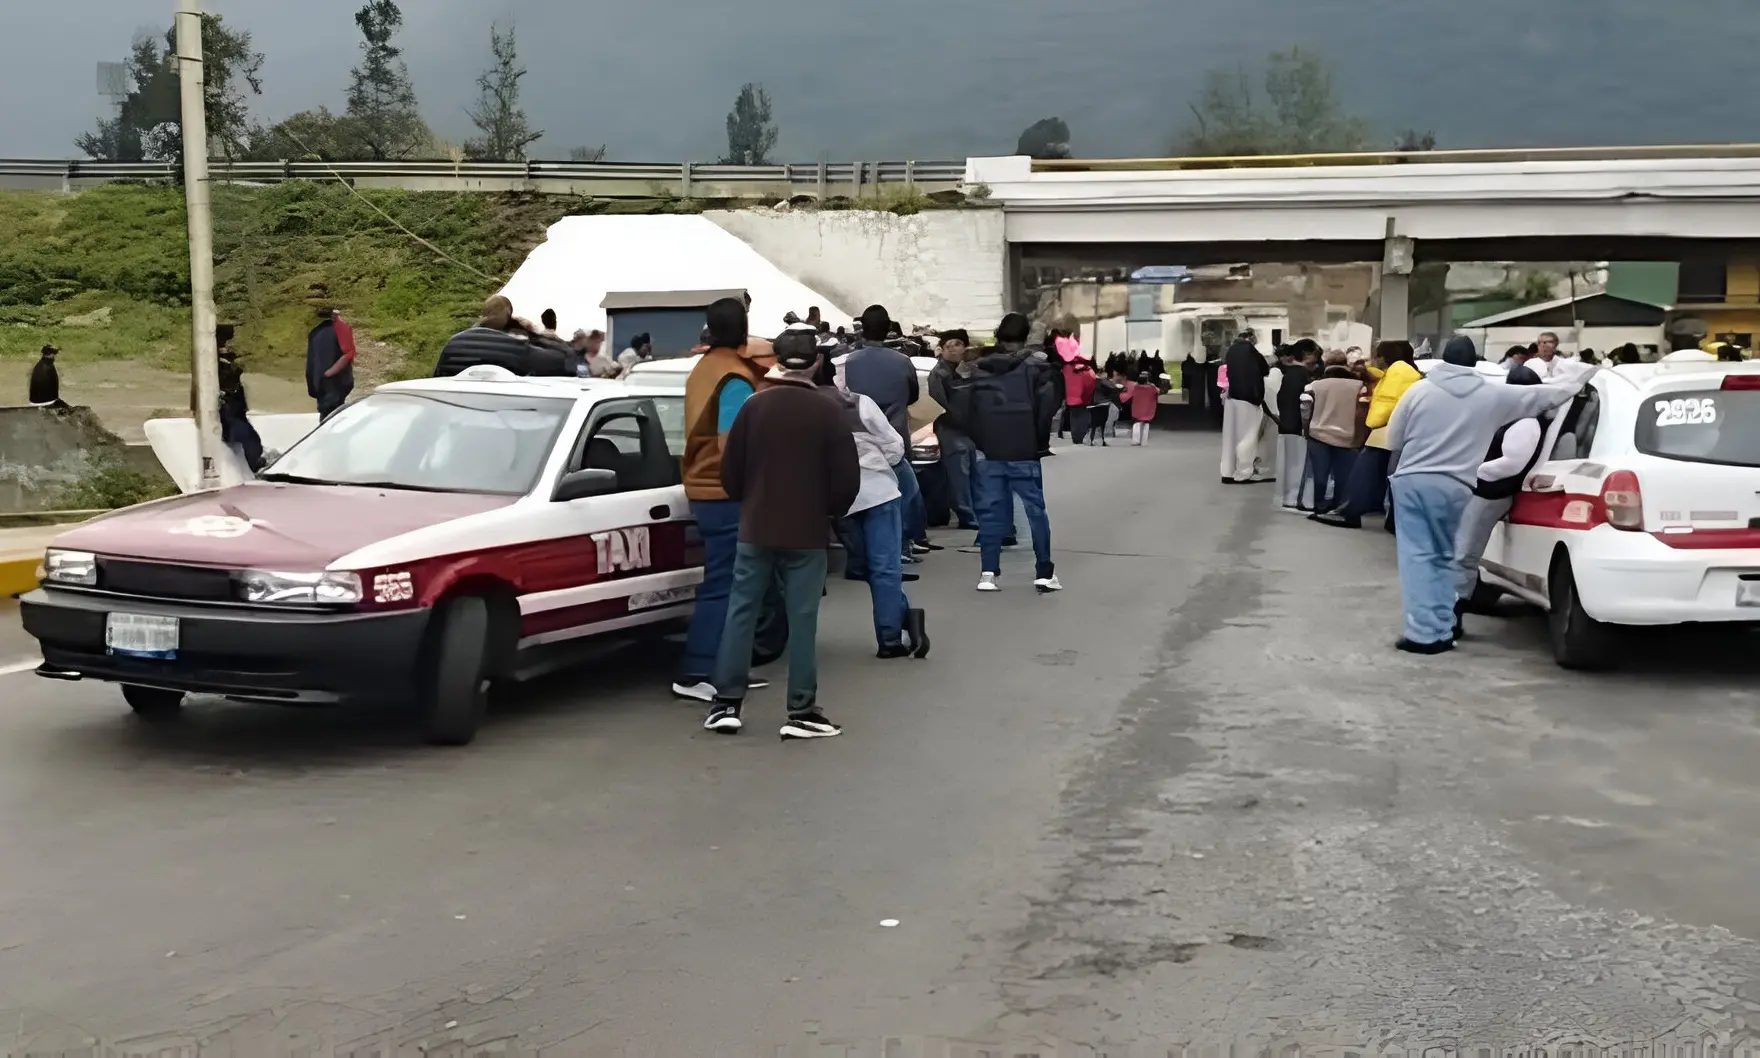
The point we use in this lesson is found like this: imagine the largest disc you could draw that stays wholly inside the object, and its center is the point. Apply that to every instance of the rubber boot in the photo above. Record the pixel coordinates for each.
(915, 629)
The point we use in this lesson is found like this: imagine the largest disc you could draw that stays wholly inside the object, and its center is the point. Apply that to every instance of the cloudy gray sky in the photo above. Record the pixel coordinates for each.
(947, 78)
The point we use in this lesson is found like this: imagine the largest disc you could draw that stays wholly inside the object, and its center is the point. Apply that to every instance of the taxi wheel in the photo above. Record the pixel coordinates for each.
(454, 683)
(1578, 640)
(153, 703)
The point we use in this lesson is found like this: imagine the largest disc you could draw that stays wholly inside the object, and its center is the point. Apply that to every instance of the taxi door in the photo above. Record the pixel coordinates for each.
(1554, 502)
(634, 556)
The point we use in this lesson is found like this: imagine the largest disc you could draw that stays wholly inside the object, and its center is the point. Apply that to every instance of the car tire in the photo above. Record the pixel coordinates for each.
(1578, 641)
(1483, 599)
(454, 684)
(153, 704)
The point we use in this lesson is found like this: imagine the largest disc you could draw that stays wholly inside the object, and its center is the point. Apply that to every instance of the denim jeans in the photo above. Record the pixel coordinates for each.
(718, 522)
(879, 528)
(998, 481)
(912, 509)
(1014, 502)
(1332, 469)
(1428, 508)
(959, 459)
(755, 570)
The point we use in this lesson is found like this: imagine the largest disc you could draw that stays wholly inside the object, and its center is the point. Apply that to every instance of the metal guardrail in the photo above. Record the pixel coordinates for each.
(630, 178)
(1511, 154)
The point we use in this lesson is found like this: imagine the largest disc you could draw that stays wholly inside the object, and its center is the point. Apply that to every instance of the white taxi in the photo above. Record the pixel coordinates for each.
(434, 537)
(1645, 510)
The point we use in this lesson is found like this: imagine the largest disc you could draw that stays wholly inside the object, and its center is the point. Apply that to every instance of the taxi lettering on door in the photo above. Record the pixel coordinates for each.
(623, 550)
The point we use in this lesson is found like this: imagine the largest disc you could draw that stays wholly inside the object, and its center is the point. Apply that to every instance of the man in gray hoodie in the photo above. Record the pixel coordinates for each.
(1440, 432)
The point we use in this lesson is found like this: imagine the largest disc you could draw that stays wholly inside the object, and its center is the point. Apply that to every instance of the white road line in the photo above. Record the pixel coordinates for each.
(10, 667)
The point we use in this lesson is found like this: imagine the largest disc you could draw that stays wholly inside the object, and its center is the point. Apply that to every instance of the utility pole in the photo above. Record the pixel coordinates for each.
(198, 196)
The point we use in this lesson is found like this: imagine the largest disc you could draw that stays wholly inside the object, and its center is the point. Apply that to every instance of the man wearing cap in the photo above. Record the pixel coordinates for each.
(724, 378)
(790, 463)
(1439, 435)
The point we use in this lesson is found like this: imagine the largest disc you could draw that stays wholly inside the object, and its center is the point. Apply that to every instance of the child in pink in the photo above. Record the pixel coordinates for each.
(1143, 398)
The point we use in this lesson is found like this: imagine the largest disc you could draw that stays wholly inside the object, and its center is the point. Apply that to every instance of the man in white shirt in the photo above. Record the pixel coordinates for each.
(1514, 452)
(640, 349)
(1545, 361)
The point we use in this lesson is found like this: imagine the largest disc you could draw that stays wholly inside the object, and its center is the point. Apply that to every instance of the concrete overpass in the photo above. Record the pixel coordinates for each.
(1666, 204)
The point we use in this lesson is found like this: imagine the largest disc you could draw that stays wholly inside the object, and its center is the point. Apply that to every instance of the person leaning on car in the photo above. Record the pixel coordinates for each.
(503, 340)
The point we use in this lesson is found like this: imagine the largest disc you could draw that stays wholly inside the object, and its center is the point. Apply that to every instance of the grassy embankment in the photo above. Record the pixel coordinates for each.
(278, 252)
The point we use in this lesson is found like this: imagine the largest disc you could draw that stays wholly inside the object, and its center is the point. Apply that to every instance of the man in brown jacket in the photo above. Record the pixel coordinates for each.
(1330, 406)
(790, 462)
(728, 374)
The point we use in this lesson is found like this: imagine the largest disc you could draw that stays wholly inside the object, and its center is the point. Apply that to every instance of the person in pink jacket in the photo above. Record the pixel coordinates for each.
(1143, 399)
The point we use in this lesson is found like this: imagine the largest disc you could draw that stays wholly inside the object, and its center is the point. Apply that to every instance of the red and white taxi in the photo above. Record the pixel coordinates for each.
(1646, 510)
(434, 537)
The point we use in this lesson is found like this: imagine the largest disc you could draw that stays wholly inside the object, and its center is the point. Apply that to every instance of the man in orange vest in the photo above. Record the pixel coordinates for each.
(728, 374)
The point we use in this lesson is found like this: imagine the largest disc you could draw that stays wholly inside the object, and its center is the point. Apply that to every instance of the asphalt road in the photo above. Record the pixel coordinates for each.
(1194, 797)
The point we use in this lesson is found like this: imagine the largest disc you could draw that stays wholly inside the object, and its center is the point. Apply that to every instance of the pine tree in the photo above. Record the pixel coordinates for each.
(150, 121)
(751, 134)
(383, 115)
(497, 113)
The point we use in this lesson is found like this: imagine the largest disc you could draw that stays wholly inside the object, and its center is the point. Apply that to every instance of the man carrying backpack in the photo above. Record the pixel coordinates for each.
(1007, 409)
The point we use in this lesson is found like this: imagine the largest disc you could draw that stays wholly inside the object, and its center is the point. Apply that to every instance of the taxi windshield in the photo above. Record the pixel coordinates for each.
(1702, 426)
(434, 442)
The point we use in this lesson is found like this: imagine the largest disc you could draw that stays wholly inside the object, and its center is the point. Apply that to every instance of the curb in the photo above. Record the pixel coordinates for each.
(18, 575)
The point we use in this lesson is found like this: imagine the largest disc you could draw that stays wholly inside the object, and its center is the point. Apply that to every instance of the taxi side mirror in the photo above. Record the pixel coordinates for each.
(579, 484)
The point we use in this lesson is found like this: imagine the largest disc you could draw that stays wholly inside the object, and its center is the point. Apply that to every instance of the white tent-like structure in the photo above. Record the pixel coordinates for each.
(585, 258)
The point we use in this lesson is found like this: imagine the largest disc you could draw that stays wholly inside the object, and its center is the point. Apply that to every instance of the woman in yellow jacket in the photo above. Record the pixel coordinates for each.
(1394, 373)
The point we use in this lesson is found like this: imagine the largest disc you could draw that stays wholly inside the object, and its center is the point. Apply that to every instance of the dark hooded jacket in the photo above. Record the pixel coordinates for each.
(1008, 406)
(486, 345)
(1289, 395)
(1246, 373)
(45, 382)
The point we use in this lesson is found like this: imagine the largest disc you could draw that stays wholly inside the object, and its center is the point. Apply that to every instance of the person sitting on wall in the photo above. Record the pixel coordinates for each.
(46, 380)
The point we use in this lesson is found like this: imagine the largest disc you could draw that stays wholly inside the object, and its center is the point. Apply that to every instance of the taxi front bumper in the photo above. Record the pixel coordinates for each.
(297, 657)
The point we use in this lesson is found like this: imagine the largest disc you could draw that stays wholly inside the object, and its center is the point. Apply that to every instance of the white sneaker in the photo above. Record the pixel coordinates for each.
(1047, 585)
(987, 582)
(705, 692)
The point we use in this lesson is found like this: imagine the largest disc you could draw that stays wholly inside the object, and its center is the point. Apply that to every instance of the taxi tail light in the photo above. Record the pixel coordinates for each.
(1622, 500)
(1741, 382)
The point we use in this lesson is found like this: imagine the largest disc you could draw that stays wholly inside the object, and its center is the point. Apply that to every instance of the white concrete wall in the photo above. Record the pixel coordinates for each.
(941, 267)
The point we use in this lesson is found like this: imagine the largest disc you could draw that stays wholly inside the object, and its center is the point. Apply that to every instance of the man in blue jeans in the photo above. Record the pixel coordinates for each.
(719, 385)
(1441, 432)
(888, 378)
(790, 462)
(1007, 409)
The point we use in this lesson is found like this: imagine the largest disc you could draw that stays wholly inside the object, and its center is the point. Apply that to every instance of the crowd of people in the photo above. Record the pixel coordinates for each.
(1439, 454)
(803, 440)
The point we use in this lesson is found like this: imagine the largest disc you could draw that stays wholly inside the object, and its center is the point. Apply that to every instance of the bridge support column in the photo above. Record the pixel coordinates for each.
(1396, 281)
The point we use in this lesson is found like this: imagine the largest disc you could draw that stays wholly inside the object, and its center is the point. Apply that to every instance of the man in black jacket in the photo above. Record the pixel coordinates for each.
(1007, 409)
(1243, 414)
(1292, 452)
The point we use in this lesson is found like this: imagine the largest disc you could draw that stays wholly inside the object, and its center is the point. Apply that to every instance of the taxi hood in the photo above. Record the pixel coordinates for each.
(265, 525)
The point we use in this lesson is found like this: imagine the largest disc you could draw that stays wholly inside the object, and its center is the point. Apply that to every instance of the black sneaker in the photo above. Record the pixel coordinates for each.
(810, 725)
(925, 546)
(724, 719)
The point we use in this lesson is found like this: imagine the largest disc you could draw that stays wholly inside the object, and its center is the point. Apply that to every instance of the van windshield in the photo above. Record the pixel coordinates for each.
(1702, 426)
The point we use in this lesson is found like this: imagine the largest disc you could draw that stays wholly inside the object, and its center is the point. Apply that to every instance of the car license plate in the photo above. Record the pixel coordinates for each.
(1748, 593)
(648, 600)
(141, 636)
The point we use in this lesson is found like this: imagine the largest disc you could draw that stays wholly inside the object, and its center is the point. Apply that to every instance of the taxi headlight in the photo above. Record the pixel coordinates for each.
(299, 589)
(69, 567)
